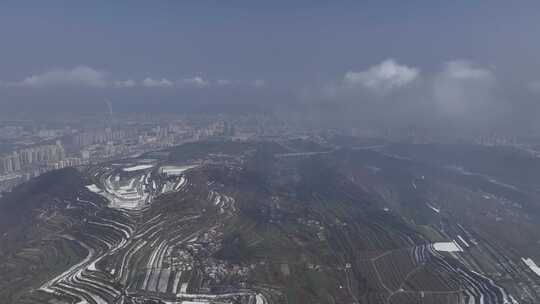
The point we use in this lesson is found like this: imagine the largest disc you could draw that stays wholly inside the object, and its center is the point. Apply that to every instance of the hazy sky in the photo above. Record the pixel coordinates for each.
(456, 58)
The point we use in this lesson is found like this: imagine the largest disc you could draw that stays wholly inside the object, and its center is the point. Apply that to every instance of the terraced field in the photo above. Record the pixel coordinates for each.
(136, 249)
(325, 226)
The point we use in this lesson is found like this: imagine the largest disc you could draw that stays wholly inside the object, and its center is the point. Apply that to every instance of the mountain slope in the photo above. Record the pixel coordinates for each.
(255, 225)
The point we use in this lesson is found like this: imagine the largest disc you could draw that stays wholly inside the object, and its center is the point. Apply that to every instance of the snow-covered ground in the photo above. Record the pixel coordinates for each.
(138, 167)
(175, 170)
(532, 265)
(123, 193)
(135, 191)
(437, 210)
(94, 188)
(447, 247)
(463, 241)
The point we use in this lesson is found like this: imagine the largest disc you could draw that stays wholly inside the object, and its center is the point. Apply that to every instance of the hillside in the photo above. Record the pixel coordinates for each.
(271, 222)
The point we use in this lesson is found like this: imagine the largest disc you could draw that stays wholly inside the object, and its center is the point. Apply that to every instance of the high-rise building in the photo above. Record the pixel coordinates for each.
(20, 159)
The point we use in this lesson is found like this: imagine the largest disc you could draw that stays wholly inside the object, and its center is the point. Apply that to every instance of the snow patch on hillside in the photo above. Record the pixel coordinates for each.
(447, 247)
(532, 265)
(137, 168)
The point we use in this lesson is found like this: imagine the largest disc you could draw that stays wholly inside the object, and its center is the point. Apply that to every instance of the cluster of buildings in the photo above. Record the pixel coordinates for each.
(22, 164)
(219, 128)
(28, 149)
(27, 157)
(100, 136)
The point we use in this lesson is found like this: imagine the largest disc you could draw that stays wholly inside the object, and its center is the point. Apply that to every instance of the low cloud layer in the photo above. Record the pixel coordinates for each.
(157, 83)
(125, 83)
(382, 78)
(462, 87)
(390, 93)
(87, 77)
(453, 89)
(371, 84)
(78, 76)
(196, 81)
(458, 95)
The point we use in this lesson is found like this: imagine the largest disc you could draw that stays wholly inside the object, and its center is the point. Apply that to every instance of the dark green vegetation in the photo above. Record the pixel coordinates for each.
(30, 252)
(234, 248)
(507, 164)
(201, 150)
(287, 222)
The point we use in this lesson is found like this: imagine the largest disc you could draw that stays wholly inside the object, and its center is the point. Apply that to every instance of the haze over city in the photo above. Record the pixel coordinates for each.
(458, 61)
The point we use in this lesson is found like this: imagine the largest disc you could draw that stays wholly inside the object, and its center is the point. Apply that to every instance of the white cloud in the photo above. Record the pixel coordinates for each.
(78, 76)
(84, 76)
(382, 78)
(462, 87)
(157, 83)
(466, 71)
(257, 83)
(196, 81)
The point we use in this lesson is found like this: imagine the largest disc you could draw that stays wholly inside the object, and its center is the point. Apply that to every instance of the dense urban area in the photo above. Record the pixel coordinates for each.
(29, 148)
